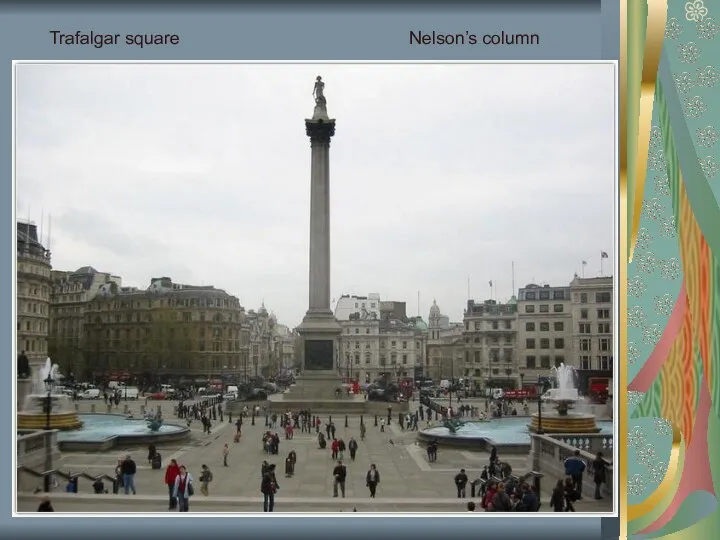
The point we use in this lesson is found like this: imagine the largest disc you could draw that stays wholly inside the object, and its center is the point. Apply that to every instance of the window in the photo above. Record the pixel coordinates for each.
(603, 298)
(603, 313)
(605, 362)
(508, 325)
(357, 359)
(496, 371)
(529, 326)
(558, 308)
(357, 344)
(392, 344)
(477, 357)
(584, 344)
(583, 313)
(467, 356)
(367, 358)
(530, 343)
(530, 296)
(544, 308)
(404, 358)
(530, 309)
(382, 344)
(559, 360)
(545, 362)
(530, 362)
(477, 340)
(603, 344)
(367, 330)
(477, 326)
(357, 330)
(544, 343)
(404, 345)
(558, 295)
(583, 298)
(559, 326)
(495, 325)
(584, 328)
(585, 362)
(544, 295)
(604, 328)
(544, 326)
(559, 343)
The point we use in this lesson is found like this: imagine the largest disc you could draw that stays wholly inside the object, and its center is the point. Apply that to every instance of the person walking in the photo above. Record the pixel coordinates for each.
(372, 479)
(128, 470)
(340, 474)
(268, 487)
(461, 480)
(171, 473)
(183, 489)
(206, 477)
(352, 448)
(600, 474)
(226, 453)
(575, 468)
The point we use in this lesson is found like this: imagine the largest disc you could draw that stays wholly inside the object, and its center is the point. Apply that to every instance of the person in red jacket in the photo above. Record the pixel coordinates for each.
(171, 473)
(488, 498)
(335, 448)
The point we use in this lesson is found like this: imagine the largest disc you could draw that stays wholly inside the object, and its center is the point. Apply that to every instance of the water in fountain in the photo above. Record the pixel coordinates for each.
(566, 389)
(35, 401)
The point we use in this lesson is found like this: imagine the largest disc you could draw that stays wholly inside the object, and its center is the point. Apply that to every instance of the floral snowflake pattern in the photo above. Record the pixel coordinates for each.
(667, 227)
(636, 438)
(636, 287)
(689, 53)
(646, 455)
(670, 269)
(695, 10)
(656, 140)
(656, 161)
(707, 136)
(653, 209)
(707, 77)
(633, 353)
(664, 304)
(662, 183)
(657, 471)
(634, 397)
(636, 317)
(636, 485)
(646, 262)
(684, 82)
(706, 29)
(663, 426)
(709, 167)
(651, 334)
(673, 28)
(694, 107)
(644, 239)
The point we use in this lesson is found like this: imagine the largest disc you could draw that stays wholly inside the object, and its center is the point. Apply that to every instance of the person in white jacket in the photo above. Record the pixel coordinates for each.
(183, 489)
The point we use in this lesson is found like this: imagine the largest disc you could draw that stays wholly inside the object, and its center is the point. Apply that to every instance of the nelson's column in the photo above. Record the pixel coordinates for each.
(319, 329)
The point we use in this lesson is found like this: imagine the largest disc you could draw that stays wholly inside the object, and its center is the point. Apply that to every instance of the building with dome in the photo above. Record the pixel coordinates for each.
(169, 332)
(33, 293)
(445, 346)
(70, 293)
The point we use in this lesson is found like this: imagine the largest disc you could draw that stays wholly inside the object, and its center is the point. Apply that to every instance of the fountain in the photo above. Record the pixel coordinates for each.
(564, 397)
(33, 414)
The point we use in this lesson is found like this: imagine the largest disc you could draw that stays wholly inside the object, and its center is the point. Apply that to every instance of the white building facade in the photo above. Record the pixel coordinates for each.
(592, 320)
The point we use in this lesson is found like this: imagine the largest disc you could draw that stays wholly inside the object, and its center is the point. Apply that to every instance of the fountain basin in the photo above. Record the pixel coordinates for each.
(102, 432)
(62, 413)
(509, 435)
(570, 423)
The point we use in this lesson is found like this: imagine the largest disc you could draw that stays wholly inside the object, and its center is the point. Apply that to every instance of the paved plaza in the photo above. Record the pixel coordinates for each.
(408, 482)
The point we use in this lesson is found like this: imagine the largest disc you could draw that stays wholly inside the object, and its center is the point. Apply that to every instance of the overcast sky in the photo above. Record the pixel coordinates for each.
(439, 173)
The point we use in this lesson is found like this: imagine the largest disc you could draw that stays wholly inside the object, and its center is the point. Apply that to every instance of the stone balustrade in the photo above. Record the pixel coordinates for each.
(36, 450)
(591, 443)
(549, 455)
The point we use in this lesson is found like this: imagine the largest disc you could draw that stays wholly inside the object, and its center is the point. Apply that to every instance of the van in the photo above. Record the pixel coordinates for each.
(232, 389)
(91, 393)
(128, 392)
(115, 384)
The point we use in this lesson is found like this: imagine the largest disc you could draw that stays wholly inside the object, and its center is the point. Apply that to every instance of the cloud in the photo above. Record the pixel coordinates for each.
(438, 172)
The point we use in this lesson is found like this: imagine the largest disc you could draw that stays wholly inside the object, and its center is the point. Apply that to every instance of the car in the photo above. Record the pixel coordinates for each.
(230, 396)
(157, 396)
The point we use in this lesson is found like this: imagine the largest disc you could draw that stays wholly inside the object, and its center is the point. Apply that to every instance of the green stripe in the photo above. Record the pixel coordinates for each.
(651, 404)
(671, 157)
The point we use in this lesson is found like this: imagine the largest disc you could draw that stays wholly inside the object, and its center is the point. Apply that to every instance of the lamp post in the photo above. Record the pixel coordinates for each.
(49, 382)
(539, 386)
(522, 377)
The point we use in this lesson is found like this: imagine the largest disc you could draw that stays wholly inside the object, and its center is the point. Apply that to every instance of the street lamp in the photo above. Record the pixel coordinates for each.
(522, 377)
(49, 382)
(539, 386)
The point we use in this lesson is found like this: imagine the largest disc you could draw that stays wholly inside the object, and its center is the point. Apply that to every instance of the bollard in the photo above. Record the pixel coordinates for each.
(253, 418)
(329, 419)
(346, 421)
(400, 415)
(267, 421)
(92, 408)
(361, 420)
(376, 420)
(229, 418)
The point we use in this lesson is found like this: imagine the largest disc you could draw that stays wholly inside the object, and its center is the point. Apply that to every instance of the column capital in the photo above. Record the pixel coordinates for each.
(320, 131)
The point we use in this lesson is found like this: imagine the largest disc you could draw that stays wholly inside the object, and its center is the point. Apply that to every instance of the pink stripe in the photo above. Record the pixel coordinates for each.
(649, 372)
(696, 473)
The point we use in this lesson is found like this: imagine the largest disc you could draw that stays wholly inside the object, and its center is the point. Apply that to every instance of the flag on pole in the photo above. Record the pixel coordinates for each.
(490, 282)
(603, 255)
(584, 263)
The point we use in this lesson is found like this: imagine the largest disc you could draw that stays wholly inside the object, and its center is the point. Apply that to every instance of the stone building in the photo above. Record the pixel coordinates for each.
(544, 330)
(33, 294)
(261, 328)
(592, 323)
(284, 342)
(490, 335)
(171, 332)
(70, 294)
(445, 347)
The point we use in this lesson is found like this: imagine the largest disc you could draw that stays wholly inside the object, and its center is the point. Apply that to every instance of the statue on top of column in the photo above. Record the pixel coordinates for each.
(319, 92)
